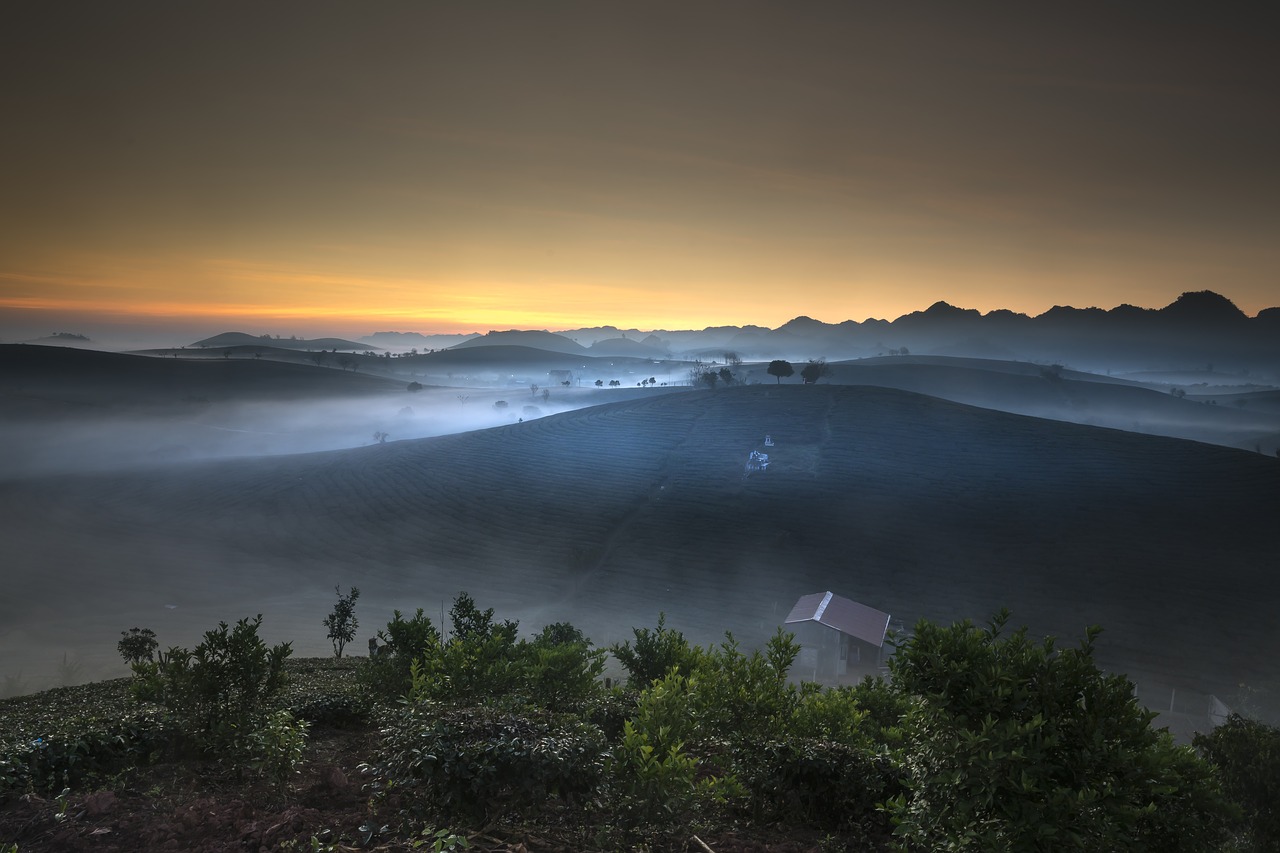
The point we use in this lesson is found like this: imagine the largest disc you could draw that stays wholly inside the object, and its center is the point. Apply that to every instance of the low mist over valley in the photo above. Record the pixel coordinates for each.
(1113, 468)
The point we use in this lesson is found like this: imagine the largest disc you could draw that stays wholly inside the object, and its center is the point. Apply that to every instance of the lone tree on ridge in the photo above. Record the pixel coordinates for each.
(780, 369)
(814, 370)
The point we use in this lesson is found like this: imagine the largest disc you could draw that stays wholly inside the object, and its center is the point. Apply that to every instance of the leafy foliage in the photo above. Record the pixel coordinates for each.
(218, 697)
(274, 747)
(814, 370)
(483, 662)
(341, 623)
(652, 780)
(1015, 745)
(386, 675)
(471, 763)
(983, 739)
(225, 683)
(86, 735)
(781, 369)
(1246, 754)
(825, 783)
(137, 645)
(655, 653)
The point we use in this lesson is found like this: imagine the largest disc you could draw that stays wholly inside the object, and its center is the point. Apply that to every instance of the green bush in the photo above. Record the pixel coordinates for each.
(831, 715)
(1246, 754)
(723, 695)
(746, 696)
(386, 675)
(483, 662)
(220, 695)
(80, 756)
(824, 783)
(886, 708)
(654, 782)
(341, 623)
(560, 671)
(469, 764)
(225, 684)
(137, 645)
(275, 746)
(654, 654)
(1014, 746)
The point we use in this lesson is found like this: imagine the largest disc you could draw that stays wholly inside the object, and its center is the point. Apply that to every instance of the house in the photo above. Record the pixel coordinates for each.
(839, 639)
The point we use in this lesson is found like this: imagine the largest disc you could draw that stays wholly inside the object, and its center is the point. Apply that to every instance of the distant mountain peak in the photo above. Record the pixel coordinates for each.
(1203, 305)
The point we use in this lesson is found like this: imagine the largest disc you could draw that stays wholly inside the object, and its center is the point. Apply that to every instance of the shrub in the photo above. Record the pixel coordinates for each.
(275, 746)
(744, 695)
(475, 763)
(831, 715)
(653, 784)
(386, 675)
(560, 671)
(825, 783)
(886, 707)
(1246, 754)
(341, 623)
(218, 694)
(484, 663)
(654, 653)
(1014, 745)
(137, 645)
(228, 678)
(84, 752)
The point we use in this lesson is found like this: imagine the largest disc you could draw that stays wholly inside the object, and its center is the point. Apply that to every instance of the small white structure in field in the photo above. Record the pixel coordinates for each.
(826, 654)
(757, 461)
(768, 441)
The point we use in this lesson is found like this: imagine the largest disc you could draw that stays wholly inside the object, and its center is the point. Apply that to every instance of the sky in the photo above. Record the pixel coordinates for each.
(343, 168)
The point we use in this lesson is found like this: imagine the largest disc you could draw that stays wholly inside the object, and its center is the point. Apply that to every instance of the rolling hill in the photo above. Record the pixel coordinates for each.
(607, 515)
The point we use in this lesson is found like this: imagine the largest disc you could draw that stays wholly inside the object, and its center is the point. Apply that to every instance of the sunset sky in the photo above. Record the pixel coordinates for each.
(343, 168)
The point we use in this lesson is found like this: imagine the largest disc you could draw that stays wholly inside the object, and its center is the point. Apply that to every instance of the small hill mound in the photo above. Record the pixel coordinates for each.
(235, 339)
(548, 341)
(627, 348)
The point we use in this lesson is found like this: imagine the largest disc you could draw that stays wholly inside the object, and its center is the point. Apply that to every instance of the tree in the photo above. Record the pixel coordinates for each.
(137, 645)
(726, 376)
(1247, 755)
(814, 370)
(1015, 745)
(599, 383)
(415, 387)
(342, 622)
(710, 378)
(781, 369)
(655, 653)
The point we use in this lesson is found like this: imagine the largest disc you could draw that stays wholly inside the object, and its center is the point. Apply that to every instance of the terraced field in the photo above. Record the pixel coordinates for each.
(604, 516)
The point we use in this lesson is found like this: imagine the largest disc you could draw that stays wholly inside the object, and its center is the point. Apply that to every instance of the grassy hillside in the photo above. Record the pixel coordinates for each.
(604, 516)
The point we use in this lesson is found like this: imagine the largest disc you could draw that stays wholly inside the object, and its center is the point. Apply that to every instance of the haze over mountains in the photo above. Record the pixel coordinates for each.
(1196, 326)
(182, 487)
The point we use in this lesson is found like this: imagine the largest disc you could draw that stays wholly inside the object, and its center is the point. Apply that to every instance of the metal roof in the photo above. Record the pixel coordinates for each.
(849, 617)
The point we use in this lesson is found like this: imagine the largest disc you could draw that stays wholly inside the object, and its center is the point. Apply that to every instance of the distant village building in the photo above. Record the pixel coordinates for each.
(839, 639)
(757, 461)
